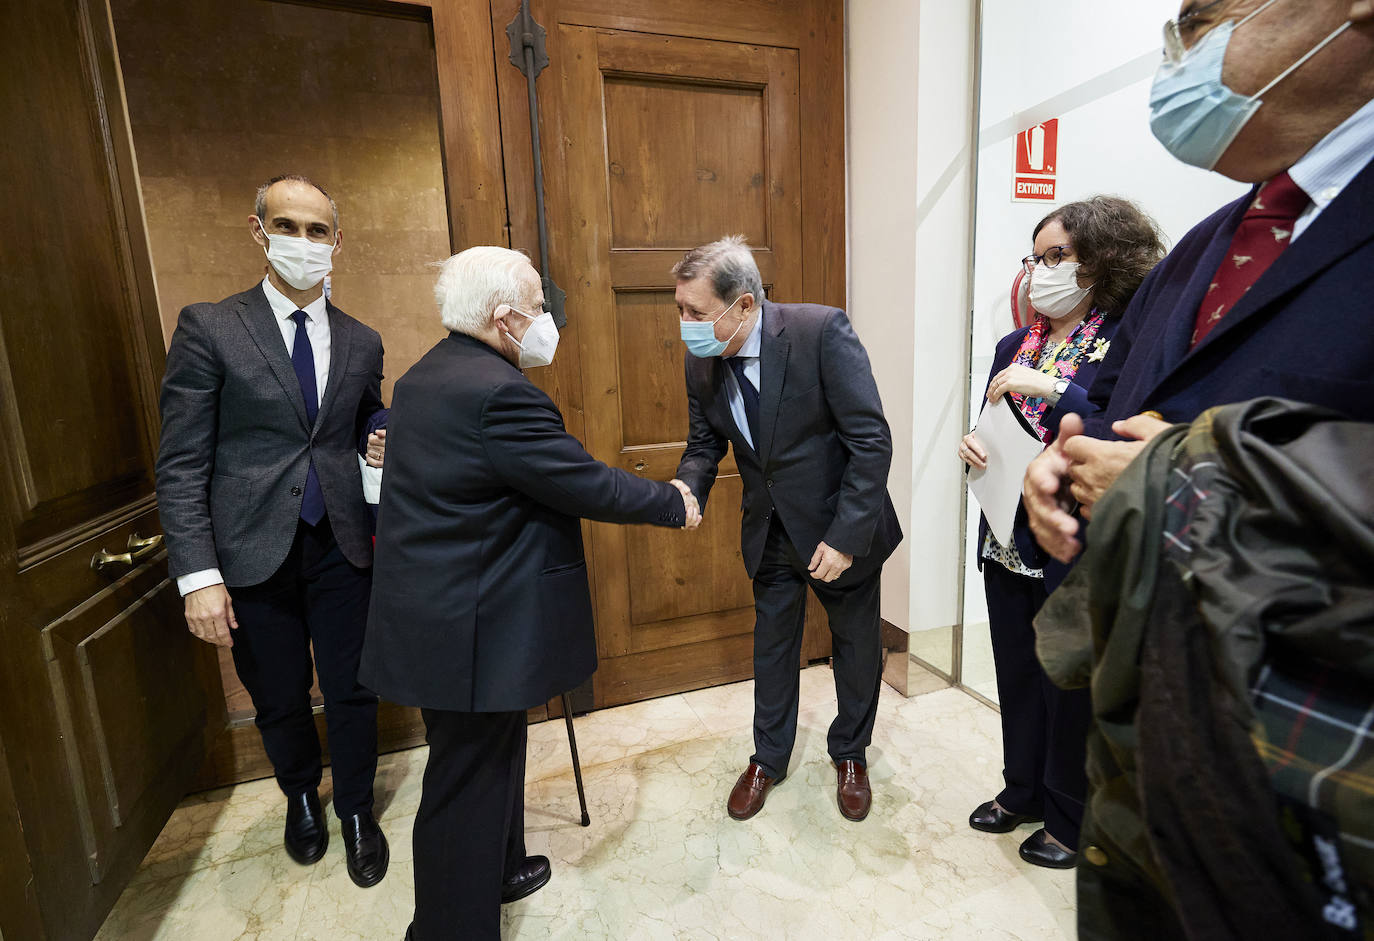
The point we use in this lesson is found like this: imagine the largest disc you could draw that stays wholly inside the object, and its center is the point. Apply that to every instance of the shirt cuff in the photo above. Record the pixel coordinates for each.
(198, 580)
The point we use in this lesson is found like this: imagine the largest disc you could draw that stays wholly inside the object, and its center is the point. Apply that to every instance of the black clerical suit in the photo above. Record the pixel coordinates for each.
(818, 473)
(480, 604)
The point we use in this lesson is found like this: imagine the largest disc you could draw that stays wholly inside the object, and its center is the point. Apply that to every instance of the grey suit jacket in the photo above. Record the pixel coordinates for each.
(235, 446)
(824, 446)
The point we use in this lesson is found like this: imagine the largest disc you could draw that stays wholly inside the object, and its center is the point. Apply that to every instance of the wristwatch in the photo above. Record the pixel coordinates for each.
(1060, 388)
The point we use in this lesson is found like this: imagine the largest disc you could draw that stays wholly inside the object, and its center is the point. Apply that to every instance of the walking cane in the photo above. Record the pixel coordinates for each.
(577, 765)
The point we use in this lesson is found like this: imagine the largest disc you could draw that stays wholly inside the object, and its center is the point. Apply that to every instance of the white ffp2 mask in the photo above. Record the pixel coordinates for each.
(541, 339)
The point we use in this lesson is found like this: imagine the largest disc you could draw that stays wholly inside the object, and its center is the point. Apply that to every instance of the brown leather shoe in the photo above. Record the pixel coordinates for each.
(852, 792)
(747, 797)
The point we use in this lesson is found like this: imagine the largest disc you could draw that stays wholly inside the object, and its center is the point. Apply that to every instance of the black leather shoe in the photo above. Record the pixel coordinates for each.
(1039, 851)
(307, 832)
(992, 819)
(533, 875)
(410, 933)
(367, 850)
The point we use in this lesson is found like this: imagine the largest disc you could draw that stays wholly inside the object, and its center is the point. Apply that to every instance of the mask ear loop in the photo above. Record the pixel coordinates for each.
(1294, 67)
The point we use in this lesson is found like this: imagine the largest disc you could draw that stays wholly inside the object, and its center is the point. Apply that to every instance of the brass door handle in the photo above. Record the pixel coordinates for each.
(139, 549)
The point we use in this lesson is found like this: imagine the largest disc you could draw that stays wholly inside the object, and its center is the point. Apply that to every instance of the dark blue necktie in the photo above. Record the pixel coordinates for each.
(303, 361)
(751, 398)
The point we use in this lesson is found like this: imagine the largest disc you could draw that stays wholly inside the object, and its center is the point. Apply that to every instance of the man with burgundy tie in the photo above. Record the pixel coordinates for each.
(788, 387)
(265, 400)
(1271, 294)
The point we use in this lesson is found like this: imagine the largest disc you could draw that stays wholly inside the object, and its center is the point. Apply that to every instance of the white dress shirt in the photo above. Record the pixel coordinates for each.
(317, 329)
(749, 352)
(1327, 169)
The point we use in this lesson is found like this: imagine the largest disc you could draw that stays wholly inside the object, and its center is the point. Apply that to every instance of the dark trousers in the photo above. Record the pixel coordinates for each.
(470, 828)
(315, 597)
(1044, 728)
(856, 644)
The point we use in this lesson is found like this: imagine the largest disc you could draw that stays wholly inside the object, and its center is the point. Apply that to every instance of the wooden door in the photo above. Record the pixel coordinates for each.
(666, 126)
(103, 718)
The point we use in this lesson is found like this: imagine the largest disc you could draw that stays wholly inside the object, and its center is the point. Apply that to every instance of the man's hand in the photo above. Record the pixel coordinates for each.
(1045, 495)
(689, 504)
(1022, 379)
(210, 615)
(376, 447)
(1095, 465)
(972, 453)
(828, 564)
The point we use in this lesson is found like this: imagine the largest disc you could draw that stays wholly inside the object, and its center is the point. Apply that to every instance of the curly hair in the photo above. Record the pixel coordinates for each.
(1117, 246)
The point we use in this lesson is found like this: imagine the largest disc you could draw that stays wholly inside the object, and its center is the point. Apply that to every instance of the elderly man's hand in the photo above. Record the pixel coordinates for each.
(828, 564)
(689, 504)
(1095, 465)
(376, 447)
(1044, 494)
(210, 615)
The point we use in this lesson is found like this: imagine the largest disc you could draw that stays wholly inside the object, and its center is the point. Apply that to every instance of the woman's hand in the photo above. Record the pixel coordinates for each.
(972, 453)
(1022, 379)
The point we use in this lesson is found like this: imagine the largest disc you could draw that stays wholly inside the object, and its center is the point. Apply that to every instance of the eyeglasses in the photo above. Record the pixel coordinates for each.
(1174, 46)
(1052, 257)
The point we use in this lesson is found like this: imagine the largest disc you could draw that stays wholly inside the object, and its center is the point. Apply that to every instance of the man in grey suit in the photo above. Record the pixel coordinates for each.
(264, 402)
(790, 388)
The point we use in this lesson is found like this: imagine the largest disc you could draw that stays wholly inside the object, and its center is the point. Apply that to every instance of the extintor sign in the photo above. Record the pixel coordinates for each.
(1037, 160)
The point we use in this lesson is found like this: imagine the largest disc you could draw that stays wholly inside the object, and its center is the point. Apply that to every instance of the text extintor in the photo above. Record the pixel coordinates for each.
(1037, 162)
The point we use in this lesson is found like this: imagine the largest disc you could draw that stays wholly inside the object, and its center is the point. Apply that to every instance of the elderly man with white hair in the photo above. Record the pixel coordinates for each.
(480, 606)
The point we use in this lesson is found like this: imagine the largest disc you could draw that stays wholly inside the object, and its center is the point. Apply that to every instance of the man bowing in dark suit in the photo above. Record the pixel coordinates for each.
(482, 608)
(789, 386)
(264, 402)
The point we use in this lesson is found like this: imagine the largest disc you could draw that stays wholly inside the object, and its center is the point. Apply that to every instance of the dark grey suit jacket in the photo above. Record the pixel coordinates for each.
(235, 444)
(824, 447)
(480, 601)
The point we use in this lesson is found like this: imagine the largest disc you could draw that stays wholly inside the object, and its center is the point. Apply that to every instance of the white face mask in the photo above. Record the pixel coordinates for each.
(541, 338)
(1054, 292)
(300, 262)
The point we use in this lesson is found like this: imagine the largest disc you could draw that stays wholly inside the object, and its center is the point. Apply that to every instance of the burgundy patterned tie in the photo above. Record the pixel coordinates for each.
(1263, 234)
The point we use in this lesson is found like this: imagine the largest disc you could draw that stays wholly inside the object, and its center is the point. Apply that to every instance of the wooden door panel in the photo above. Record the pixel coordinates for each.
(124, 724)
(664, 143)
(104, 717)
(674, 183)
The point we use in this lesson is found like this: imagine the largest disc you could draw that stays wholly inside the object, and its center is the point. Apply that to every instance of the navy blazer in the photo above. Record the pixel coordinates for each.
(824, 448)
(1305, 331)
(1074, 399)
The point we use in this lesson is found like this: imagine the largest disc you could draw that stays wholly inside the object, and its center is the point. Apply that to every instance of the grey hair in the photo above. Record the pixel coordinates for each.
(474, 282)
(260, 202)
(729, 263)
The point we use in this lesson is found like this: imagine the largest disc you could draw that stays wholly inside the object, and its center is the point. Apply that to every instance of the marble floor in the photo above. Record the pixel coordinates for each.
(661, 858)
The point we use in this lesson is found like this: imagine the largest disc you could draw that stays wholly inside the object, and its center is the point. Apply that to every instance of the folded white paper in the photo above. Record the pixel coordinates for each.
(1010, 445)
(372, 482)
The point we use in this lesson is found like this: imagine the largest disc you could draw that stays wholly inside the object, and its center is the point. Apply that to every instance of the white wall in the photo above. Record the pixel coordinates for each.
(1099, 89)
(881, 126)
(910, 126)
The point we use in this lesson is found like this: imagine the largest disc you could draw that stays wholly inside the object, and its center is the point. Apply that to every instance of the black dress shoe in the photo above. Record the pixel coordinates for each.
(1039, 851)
(367, 850)
(307, 832)
(533, 875)
(993, 819)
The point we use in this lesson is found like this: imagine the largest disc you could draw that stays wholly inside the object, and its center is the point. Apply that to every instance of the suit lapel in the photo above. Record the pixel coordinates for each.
(340, 342)
(718, 406)
(1178, 331)
(772, 371)
(261, 323)
(1342, 227)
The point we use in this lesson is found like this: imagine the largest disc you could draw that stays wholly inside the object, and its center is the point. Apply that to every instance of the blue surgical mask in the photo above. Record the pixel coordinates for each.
(1192, 112)
(700, 336)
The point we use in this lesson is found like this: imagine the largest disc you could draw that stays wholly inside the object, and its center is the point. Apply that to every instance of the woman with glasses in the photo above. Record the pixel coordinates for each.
(1087, 261)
